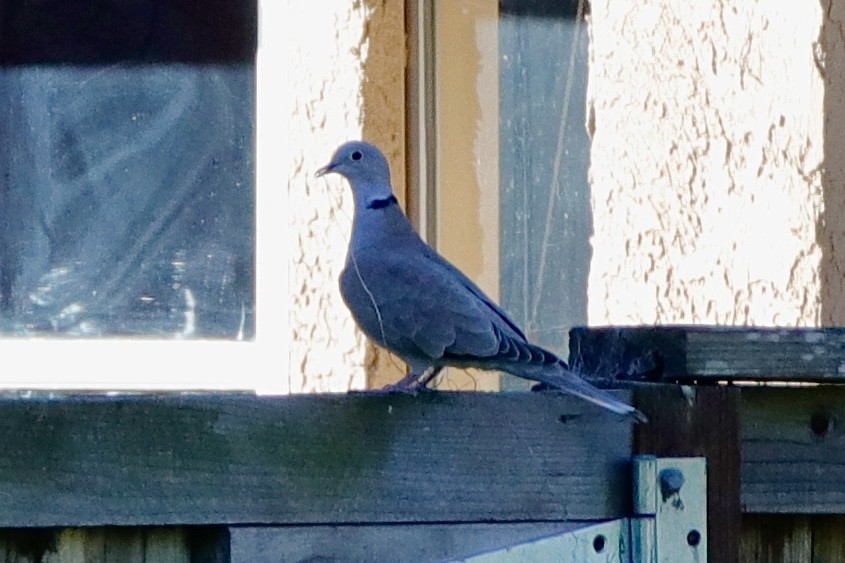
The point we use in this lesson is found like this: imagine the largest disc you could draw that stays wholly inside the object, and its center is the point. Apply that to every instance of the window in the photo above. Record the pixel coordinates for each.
(128, 216)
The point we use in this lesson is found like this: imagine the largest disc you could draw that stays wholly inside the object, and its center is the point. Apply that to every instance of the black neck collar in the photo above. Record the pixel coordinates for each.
(382, 203)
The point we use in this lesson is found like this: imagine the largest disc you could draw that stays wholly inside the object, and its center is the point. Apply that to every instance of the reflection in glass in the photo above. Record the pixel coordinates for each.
(127, 168)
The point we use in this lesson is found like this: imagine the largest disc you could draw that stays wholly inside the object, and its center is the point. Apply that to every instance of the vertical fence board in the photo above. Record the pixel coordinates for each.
(26, 546)
(776, 538)
(166, 544)
(705, 423)
(209, 544)
(70, 546)
(107, 545)
(97, 545)
(828, 538)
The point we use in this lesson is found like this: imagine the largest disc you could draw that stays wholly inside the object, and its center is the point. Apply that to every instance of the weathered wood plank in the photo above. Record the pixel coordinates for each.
(420, 543)
(705, 422)
(438, 457)
(793, 450)
(709, 352)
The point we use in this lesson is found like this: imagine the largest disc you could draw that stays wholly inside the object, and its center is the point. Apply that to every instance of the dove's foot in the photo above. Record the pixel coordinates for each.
(428, 375)
(414, 383)
(398, 389)
(544, 388)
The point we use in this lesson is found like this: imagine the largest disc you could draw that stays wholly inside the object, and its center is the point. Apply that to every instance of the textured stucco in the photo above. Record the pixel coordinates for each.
(328, 48)
(706, 162)
(347, 82)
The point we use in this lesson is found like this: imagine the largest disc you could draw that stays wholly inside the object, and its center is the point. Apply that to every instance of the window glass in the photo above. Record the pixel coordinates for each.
(546, 220)
(127, 200)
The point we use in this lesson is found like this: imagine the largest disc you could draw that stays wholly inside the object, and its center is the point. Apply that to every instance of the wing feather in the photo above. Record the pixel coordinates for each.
(423, 308)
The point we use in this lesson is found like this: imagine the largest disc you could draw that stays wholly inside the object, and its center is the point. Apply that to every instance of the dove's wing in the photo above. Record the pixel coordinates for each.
(412, 301)
(417, 308)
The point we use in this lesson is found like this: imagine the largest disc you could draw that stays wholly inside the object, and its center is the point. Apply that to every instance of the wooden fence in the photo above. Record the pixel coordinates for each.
(360, 477)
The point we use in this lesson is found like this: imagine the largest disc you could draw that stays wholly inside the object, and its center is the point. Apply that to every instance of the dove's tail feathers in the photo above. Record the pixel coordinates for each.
(603, 399)
(574, 384)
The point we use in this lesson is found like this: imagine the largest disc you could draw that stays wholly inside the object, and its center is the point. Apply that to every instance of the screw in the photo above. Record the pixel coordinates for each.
(671, 481)
(693, 538)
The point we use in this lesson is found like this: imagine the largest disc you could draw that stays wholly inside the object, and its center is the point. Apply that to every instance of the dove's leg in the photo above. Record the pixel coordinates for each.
(428, 375)
(414, 381)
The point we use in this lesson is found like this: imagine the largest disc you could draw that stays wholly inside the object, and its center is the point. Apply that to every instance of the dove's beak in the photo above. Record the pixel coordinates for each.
(327, 169)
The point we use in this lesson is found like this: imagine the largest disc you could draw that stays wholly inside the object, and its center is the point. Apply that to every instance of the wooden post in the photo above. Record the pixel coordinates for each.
(705, 423)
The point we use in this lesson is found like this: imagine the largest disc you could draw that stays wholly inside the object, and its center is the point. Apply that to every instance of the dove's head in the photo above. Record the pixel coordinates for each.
(363, 165)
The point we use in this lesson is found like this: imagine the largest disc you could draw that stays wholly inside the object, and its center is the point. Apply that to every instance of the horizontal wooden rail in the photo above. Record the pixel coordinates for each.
(438, 457)
(793, 450)
(671, 353)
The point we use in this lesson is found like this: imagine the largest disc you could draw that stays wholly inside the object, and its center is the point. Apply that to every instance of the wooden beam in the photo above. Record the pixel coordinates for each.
(684, 353)
(438, 457)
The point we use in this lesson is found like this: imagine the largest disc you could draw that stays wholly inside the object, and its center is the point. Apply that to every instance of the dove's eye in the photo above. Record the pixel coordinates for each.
(356, 156)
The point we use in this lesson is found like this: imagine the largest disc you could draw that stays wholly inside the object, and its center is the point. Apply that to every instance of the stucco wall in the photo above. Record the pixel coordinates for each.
(706, 163)
(328, 49)
(347, 82)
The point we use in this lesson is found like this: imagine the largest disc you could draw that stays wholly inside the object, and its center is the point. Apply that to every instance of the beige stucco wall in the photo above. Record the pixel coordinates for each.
(346, 82)
(706, 166)
(326, 353)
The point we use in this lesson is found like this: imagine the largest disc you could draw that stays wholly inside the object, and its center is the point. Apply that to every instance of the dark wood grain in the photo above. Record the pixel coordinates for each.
(787, 538)
(777, 538)
(27, 546)
(439, 457)
(828, 538)
(208, 544)
(707, 352)
(704, 422)
(98, 545)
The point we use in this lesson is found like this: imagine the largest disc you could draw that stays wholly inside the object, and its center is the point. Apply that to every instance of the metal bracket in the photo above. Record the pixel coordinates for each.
(669, 523)
(599, 543)
(670, 510)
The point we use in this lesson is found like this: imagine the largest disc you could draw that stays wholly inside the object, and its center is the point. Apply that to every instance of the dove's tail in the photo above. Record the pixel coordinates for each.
(569, 381)
(522, 359)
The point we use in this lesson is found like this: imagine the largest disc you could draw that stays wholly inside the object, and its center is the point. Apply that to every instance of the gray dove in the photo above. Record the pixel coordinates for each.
(413, 302)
